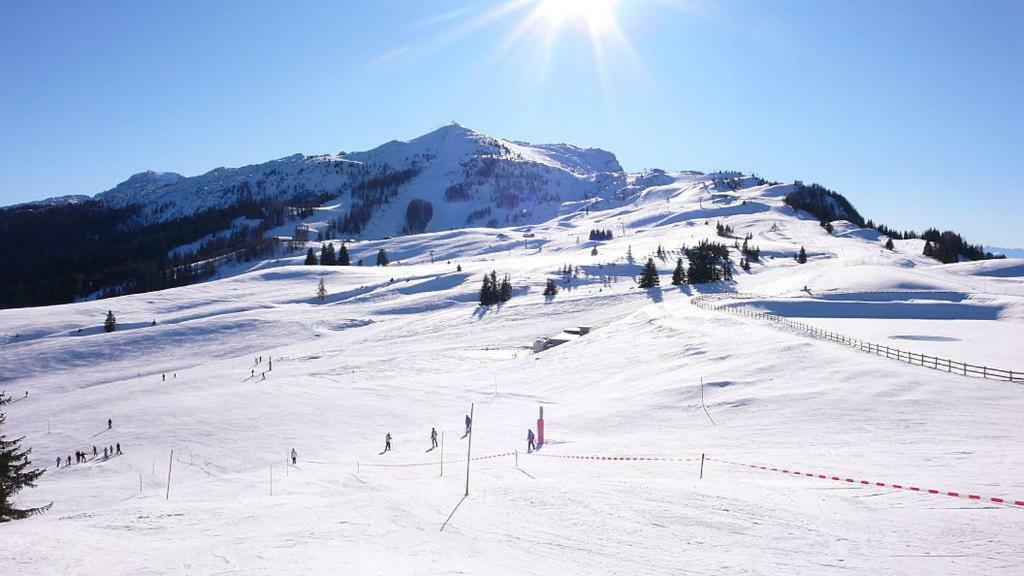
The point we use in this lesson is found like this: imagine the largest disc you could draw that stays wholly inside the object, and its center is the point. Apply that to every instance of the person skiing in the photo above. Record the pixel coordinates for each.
(93, 450)
(469, 424)
(110, 423)
(387, 442)
(163, 377)
(530, 447)
(295, 456)
(433, 437)
(105, 454)
(69, 459)
(58, 461)
(119, 448)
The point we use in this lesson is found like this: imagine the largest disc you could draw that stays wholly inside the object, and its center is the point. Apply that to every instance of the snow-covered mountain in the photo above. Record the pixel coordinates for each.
(467, 177)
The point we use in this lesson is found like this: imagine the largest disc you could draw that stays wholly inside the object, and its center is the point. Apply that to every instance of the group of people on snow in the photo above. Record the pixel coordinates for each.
(531, 439)
(82, 456)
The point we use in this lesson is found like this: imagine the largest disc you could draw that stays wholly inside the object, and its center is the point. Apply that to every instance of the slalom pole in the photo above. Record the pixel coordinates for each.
(469, 447)
(701, 466)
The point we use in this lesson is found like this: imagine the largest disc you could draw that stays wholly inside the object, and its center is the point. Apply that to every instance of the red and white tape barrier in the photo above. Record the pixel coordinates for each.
(859, 482)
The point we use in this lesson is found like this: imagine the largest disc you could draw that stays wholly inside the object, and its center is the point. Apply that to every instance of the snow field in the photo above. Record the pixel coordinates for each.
(401, 357)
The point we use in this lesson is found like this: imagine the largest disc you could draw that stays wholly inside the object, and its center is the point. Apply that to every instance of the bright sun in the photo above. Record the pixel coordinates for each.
(597, 15)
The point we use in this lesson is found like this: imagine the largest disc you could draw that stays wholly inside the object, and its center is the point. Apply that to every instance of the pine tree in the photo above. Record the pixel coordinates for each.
(550, 289)
(382, 257)
(489, 290)
(14, 475)
(649, 277)
(343, 259)
(505, 290)
(310, 258)
(458, 268)
(802, 256)
(321, 290)
(889, 245)
(327, 254)
(679, 274)
(110, 324)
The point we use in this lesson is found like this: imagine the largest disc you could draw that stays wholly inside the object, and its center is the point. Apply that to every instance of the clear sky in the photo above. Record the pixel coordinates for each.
(910, 108)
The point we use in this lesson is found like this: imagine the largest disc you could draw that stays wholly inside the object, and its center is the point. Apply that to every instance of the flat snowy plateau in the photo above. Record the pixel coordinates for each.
(405, 348)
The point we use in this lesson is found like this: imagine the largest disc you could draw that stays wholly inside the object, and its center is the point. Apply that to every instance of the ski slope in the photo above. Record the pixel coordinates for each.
(404, 348)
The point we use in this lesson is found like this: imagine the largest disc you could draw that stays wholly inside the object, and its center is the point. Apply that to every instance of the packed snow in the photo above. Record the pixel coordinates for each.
(404, 348)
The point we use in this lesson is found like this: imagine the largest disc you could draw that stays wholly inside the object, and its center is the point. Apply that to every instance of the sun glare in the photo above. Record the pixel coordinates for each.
(597, 15)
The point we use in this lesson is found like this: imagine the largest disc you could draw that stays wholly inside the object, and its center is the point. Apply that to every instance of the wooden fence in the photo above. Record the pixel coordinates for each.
(709, 302)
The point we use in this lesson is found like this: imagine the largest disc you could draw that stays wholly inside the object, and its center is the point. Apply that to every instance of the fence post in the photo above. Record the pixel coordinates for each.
(469, 446)
(170, 462)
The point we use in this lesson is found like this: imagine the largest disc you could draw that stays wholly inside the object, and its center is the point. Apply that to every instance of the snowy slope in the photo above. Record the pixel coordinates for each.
(404, 348)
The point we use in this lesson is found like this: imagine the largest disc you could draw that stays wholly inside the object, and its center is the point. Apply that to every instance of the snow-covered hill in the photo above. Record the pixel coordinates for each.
(404, 348)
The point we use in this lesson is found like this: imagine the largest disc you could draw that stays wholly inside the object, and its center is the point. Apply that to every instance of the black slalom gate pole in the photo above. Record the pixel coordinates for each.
(701, 466)
(469, 448)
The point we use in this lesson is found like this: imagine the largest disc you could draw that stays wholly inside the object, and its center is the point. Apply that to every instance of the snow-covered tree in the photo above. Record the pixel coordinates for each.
(310, 258)
(550, 289)
(801, 257)
(15, 474)
(110, 323)
(321, 290)
(382, 257)
(343, 259)
(889, 245)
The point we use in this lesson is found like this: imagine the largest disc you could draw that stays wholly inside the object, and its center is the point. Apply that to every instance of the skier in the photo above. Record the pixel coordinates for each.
(110, 423)
(387, 442)
(295, 456)
(163, 377)
(270, 364)
(58, 461)
(433, 437)
(105, 454)
(264, 375)
(69, 459)
(469, 424)
(94, 451)
(252, 373)
(530, 446)
(119, 448)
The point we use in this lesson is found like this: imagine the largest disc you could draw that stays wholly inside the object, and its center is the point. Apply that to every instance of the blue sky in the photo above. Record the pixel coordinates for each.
(912, 109)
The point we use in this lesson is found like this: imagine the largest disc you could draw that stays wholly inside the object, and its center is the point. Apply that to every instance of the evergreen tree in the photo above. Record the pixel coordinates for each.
(14, 474)
(550, 289)
(889, 245)
(382, 257)
(110, 323)
(343, 256)
(327, 254)
(505, 290)
(321, 290)
(649, 277)
(458, 268)
(802, 256)
(486, 292)
(679, 274)
(310, 258)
